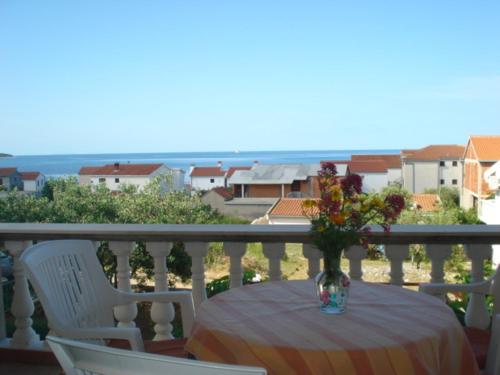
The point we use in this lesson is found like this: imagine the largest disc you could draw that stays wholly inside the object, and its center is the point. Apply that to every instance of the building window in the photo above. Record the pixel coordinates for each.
(454, 181)
(212, 180)
(296, 185)
(1, 181)
(117, 180)
(102, 180)
(441, 163)
(455, 163)
(442, 182)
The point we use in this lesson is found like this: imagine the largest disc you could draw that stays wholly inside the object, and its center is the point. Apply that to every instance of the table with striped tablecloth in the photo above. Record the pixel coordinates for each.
(385, 330)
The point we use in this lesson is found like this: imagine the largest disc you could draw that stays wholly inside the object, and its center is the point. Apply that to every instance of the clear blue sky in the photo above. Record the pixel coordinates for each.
(161, 76)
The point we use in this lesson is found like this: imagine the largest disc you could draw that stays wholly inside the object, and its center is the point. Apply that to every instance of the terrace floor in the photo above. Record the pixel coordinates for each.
(28, 369)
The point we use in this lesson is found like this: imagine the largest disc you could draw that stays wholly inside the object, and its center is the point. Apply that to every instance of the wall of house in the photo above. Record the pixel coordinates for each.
(374, 182)
(394, 175)
(448, 173)
(283, 220)
(265, 191)
(84, 179)
(214, 200)
(420, 175)
(114, 183)
(12, 181)
(204, 183)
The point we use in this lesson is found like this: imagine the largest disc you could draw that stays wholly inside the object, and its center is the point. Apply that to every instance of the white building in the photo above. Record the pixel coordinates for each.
(117, 175)
(392, 164)
(433, 167)
(33, 182)
(489, 209)
(207, 178)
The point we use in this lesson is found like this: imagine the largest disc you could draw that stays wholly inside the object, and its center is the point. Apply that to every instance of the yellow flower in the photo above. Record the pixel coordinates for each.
(336, 193)
(310, 203)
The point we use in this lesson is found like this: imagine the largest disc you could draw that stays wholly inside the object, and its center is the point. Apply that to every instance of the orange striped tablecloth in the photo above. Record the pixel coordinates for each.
(385, 330)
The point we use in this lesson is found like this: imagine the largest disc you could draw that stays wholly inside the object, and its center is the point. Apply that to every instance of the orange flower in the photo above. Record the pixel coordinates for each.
(338, 219)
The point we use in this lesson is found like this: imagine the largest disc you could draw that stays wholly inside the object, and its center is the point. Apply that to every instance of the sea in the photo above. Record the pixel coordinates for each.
(54, 166)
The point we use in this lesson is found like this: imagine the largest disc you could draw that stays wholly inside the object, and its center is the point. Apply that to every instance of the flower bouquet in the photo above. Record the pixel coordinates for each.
(340, 218)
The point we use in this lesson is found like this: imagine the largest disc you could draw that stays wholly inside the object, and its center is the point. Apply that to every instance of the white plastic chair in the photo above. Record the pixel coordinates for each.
(491, 287)
(77, 358)
(77, 298)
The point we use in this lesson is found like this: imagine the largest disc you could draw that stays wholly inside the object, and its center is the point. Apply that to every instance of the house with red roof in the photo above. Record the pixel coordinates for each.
(426, 202)
(33, 182)
(288, 211)
(432, 167)
(117, 175)
(480, 154)
(374, 172)
(10, 178)
(392, 162)
(207, 178)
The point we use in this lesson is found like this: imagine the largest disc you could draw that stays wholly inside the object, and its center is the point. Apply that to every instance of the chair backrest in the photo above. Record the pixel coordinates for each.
(68, 278)
(77, 358)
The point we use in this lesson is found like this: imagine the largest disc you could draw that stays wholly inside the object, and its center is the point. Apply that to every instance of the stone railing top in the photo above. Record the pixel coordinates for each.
(399, 234)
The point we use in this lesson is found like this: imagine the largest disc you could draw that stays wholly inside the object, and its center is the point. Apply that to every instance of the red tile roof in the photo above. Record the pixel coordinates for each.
(290, 207)
(370, 166)
(437, 152)
(7, 171)
(231, 170)
(223, 192)
(207, 172)
(426, 202)
(487, 147)
(121, 170)
(391, 160)
(29, 175)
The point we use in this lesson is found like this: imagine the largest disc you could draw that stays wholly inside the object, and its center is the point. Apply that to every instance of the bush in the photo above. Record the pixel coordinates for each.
(222, 284)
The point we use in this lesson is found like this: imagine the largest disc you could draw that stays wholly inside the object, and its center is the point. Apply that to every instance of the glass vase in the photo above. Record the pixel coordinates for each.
(332, 286)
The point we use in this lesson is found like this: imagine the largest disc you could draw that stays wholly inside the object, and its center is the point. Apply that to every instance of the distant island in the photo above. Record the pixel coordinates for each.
(5, 155)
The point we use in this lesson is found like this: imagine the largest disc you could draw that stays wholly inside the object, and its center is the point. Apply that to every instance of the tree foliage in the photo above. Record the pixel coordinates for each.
(63, 200)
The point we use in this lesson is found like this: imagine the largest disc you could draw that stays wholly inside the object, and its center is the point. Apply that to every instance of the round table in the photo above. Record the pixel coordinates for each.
(385, 330)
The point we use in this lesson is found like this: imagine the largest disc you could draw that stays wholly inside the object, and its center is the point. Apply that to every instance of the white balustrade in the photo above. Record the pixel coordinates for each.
(477, 314)
(274, 251)
(198, 251)
(22, 304)
(162, 313)
(355, 254)
(125, 314)
(235, 251)
(396, 255)
(235, 239)
(313, 256)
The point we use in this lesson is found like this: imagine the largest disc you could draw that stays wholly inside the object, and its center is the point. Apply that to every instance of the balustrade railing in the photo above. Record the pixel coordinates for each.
(158, 239)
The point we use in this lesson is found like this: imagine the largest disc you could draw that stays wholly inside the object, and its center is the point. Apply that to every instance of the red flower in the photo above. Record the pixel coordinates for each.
(351, 184)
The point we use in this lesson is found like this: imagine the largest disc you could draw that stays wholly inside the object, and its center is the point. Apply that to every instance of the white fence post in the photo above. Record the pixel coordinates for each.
(313, 256)
(396, 255)
(355, 254)
(22, 304)
(274, 251)
(477, 314)
(125, 314)
(198, 251)
(235, 251)
(162, 313)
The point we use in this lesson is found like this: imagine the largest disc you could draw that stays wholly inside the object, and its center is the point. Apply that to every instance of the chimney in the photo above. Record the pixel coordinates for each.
(117, 166)
(219, 164)
(255, 163)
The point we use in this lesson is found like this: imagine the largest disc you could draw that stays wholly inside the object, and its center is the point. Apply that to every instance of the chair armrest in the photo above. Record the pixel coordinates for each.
(481, 287)
(132, 335)
(184, 298)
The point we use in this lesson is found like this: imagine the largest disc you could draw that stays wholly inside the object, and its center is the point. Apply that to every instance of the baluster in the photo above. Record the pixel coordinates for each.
(313, 256)
(235, 251)
(396, 255)
(437, 254)
(355, 254)
(477, 314)
(274, 251)
(22, 304)
(162, 313)
(125, 314)
(198, 251)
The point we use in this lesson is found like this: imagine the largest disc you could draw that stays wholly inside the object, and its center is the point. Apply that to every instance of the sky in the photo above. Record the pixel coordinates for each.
(112, 76)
